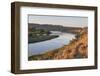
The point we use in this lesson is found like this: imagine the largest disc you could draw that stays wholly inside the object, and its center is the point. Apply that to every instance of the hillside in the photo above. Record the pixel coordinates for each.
(51, 27)
(77, 48)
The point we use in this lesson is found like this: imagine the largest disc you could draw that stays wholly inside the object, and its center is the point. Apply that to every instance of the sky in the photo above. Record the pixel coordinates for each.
(68, 21)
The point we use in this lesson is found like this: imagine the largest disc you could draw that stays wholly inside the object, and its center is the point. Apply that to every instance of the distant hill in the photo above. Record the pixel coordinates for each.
(51, 27)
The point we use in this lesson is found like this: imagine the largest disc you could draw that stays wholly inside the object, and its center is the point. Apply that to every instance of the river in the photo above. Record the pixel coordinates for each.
(49, 45)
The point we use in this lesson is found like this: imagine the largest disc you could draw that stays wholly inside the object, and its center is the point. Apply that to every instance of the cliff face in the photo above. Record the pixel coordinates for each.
(77, 48)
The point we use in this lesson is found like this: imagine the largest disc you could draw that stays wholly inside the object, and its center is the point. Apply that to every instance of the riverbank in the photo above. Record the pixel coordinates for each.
(77, 48)
(38, 35)
(41, 38)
